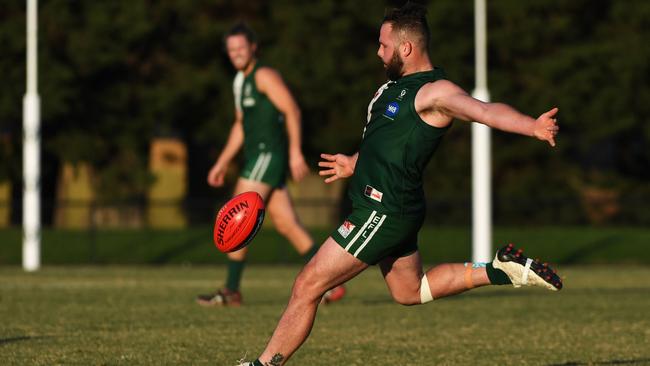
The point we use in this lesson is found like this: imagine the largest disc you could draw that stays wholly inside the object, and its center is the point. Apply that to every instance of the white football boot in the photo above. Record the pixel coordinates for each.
(524, 271)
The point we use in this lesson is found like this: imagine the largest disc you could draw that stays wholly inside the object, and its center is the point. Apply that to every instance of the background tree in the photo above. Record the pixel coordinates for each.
(115, 74)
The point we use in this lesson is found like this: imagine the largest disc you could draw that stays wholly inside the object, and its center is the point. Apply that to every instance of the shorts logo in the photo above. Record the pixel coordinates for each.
(391, 110)
(371, 227)
(248, 102)
(346, 228)
(373, 193)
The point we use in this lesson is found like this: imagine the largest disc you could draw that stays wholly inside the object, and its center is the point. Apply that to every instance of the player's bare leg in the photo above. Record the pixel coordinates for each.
(283, 214)
(285, 219)
(404, 277)
(409, 286)
(330, 267)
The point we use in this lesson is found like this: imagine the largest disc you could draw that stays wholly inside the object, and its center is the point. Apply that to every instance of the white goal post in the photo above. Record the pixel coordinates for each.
(31, 149)
(481, 148)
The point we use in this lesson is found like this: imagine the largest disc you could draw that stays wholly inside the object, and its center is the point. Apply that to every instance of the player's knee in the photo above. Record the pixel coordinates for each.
(307, 287)
(407, 299)
(413, 294)
(283, 227)
(284, 223)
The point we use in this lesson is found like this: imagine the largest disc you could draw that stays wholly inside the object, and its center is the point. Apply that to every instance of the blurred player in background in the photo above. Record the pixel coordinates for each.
(407, 118)
(265, 114)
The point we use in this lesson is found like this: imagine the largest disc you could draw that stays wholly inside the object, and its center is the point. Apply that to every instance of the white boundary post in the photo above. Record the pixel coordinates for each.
(481, 146)
(31, 149)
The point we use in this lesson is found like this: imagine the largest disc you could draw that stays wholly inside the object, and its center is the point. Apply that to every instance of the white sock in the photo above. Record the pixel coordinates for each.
(425, 291)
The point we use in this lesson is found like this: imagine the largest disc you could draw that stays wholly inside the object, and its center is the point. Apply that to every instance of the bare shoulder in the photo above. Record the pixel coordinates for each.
(430, 94)
(268, 79)
(267, 74)
(437, 89)
(437, 94)
(431, 99)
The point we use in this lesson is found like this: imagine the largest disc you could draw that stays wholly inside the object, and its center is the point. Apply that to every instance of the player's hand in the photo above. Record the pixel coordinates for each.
(298, 166)
(546, 127)
(336, 166)
(217, 174)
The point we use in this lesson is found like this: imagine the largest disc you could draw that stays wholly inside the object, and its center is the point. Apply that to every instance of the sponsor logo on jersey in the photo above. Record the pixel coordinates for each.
(391, 110)
(402, 94)
(346, 228)
(373, 193)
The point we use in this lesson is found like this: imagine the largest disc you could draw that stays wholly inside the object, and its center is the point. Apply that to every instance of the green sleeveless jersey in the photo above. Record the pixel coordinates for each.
(396, 147)
(263, 124)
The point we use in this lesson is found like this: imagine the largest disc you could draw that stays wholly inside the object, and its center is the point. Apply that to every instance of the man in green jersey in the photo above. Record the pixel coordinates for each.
(265, 113)
(407, 117)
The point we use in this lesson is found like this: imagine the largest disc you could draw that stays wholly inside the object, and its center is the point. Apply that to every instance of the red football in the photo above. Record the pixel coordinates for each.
(238, 221)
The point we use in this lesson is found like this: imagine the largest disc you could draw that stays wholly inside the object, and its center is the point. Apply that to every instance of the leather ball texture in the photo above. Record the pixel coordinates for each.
(238, 221)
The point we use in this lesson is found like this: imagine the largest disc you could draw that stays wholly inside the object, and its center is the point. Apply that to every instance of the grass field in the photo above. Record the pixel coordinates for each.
(145, 315)
(566, 245)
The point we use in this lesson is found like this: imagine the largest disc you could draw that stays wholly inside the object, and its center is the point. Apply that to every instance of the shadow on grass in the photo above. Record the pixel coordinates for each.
(514, 293)
(577, 255)
(637, 361)
(489, 294)
(373, 301)
(4, 341)
(389, 300)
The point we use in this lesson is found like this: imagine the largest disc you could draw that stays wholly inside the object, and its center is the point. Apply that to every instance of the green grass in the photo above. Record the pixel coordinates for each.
(571, 245)
(144, 315)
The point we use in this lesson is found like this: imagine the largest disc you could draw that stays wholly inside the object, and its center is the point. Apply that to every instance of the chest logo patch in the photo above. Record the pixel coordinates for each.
(391, 110)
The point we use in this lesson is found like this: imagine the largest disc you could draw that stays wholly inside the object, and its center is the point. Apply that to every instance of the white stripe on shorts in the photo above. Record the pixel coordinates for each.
(361, 230)
(263, 167)
(370, 236)
(258, 162)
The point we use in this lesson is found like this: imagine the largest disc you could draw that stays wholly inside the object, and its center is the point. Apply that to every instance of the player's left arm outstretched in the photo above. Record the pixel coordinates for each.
(441, 101)
(270, 83)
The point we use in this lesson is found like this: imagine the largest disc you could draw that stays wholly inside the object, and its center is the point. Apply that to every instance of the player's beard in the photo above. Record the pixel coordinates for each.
(394, 67)
(244, 65)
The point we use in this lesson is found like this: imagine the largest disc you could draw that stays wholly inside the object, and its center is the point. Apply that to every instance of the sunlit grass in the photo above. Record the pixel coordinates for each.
(147, 316)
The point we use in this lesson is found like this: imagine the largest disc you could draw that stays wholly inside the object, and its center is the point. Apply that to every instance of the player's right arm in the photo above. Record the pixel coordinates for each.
(337, 166)
(439, 102)
(234, 143)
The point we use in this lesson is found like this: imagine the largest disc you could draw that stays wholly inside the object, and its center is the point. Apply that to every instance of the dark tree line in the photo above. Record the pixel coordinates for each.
(116, 74)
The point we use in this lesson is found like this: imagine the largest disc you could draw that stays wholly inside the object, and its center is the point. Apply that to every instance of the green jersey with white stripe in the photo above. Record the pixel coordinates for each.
(263, 124)
(396, 147)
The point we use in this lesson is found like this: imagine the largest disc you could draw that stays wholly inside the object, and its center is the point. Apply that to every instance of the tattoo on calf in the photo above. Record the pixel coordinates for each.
(276, 360)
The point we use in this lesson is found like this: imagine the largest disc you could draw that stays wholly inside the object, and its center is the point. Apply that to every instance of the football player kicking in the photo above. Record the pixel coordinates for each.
(407, 118)
(263, 107)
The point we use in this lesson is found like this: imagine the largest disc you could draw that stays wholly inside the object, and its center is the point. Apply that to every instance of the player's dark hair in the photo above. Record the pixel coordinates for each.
(411, 18)
(243, 29)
